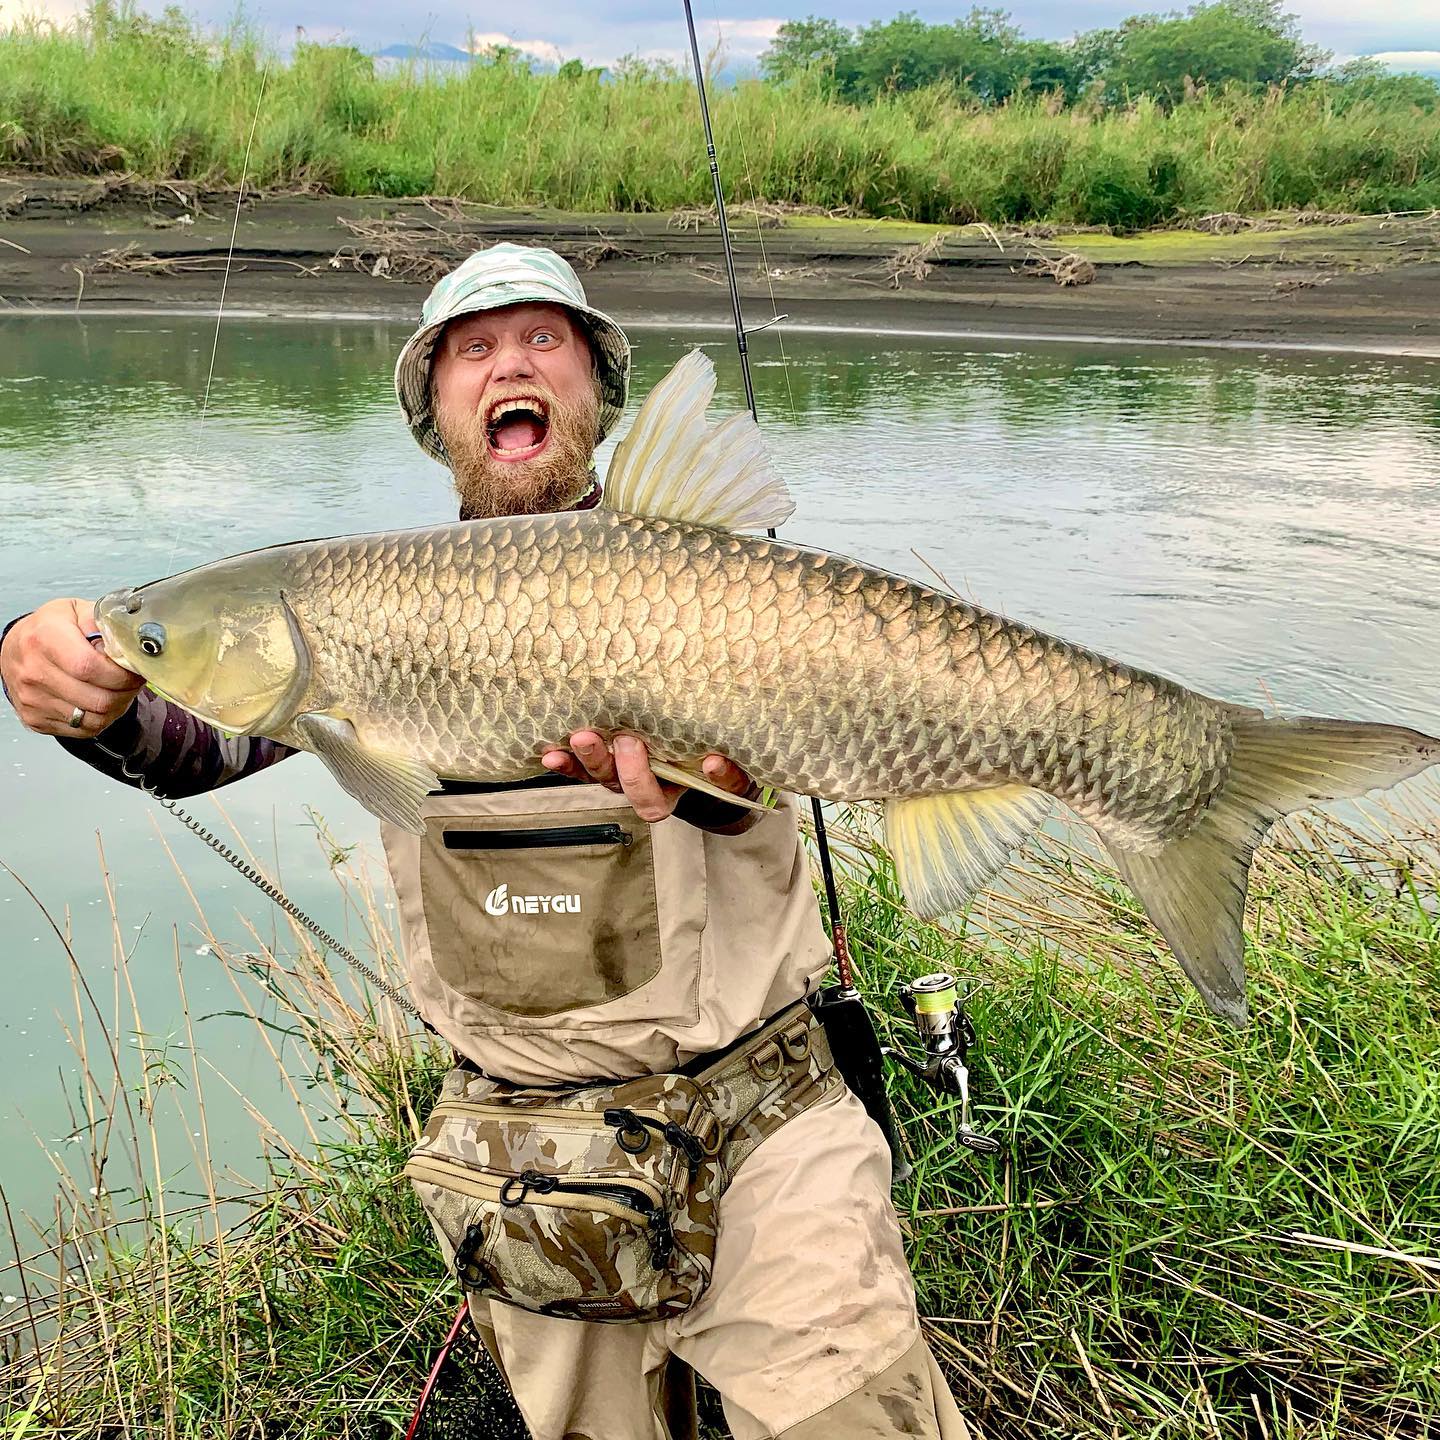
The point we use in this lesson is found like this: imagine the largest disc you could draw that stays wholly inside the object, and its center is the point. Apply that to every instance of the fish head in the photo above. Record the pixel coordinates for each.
(221, 641)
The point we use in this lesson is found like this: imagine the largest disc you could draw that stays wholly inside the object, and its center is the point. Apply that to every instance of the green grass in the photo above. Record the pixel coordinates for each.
(158, 101)
(1191, 1232)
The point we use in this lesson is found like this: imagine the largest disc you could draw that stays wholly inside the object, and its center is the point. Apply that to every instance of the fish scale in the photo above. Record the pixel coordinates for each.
(738, 644)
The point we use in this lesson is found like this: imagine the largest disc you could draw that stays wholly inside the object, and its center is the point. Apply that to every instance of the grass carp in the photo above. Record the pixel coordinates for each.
(468, 650)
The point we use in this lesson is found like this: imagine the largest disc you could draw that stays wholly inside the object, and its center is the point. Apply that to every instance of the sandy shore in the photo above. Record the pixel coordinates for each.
(98, 245)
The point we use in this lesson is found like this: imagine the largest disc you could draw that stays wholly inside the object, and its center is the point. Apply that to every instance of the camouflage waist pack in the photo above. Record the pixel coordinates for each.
(599, 1203)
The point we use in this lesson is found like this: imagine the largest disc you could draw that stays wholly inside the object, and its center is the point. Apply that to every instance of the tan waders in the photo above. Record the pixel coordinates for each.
(556, 940)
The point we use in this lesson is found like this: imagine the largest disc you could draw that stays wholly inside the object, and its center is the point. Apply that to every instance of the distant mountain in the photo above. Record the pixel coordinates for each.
(432, 50)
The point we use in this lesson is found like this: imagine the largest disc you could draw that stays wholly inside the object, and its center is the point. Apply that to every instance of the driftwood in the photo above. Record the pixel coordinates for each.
(1067, 269)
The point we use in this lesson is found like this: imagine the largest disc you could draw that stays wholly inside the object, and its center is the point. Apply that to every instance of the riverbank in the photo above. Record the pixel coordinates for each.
(1190, 1232)
(1329, 282)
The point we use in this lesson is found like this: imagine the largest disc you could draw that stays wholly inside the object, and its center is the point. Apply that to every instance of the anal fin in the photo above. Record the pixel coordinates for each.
(946, 847)
(388, 785)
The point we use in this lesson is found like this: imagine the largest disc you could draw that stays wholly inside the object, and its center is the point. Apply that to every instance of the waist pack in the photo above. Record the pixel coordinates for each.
(600, 1203)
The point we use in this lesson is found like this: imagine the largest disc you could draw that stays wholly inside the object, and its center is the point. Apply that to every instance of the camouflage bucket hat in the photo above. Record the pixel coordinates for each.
(507, 274)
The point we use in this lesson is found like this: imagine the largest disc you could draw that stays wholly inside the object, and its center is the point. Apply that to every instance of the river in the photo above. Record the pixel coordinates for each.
(1262, 525)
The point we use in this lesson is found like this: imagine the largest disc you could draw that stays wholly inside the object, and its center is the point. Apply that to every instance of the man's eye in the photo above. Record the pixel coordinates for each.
(543, 337)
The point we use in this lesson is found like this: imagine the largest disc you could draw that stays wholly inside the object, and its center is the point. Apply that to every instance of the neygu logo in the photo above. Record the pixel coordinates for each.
(501, 902)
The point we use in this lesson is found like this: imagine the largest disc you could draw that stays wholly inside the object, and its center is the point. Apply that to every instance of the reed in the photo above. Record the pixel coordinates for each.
(1190, 1232)
(160, 100)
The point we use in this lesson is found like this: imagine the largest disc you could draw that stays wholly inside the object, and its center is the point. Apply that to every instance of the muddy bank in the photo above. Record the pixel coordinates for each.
(106, 244)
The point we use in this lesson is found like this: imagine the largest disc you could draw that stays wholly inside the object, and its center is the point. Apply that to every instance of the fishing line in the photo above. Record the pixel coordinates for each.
(224, 287)
(739, 134)
(267, 887)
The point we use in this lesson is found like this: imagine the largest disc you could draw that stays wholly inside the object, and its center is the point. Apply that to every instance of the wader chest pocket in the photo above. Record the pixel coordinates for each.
(537, 915)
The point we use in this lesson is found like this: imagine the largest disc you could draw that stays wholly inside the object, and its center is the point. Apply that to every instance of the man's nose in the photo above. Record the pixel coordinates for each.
(513, 361)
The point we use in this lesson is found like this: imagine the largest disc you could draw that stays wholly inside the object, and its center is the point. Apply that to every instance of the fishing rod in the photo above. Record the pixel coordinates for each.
(932, 1001)
(843, 962)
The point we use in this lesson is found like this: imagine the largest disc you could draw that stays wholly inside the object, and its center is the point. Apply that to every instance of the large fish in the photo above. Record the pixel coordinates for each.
(468, 650)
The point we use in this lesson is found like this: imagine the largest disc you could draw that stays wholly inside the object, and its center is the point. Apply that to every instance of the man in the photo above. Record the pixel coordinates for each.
(808, 1326)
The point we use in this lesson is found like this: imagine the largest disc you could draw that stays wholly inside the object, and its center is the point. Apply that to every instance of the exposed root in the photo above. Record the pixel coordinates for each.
(1226, 222)
(691, 217)
(130, 260)
(1036, 230)
(389, 250)
(767, 214)
(1291, 284)
(420, 253)
(1324, 217)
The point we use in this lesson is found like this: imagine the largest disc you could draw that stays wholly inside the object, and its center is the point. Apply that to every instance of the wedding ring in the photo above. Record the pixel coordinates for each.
(77, 718)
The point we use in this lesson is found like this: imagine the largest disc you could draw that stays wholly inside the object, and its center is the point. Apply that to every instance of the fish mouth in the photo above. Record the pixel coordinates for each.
(517, 427)
(108, 609)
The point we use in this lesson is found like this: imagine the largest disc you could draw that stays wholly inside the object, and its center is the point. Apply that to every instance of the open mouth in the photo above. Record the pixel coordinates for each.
(518, 427)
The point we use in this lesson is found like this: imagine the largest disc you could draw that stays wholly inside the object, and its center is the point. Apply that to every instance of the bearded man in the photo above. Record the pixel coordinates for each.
(690, 937)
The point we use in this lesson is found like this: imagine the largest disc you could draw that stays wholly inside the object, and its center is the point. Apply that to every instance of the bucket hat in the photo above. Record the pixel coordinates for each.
(506, 274)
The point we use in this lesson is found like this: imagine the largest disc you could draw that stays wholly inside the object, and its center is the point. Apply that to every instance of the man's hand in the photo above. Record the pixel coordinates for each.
(51, 670)
(626, 770)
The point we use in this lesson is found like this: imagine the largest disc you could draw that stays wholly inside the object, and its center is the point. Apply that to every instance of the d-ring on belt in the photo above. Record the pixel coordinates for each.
(764, 1079)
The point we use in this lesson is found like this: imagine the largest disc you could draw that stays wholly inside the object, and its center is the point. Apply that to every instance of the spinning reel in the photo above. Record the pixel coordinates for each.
(933, 1004)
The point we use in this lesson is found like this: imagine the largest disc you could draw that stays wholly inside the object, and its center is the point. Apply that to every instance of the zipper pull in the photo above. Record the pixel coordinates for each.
(527, 1180)
(630, 1134)
(465, 1258)
(662, 1239)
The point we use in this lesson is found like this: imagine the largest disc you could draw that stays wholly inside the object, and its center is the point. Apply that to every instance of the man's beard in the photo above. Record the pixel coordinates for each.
(554, 480)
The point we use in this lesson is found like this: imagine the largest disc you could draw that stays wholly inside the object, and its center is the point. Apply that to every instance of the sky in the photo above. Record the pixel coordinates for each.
(1404, 32)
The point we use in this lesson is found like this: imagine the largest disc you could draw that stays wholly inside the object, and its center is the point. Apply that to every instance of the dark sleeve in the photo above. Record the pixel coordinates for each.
(158, 746)
(706, 813)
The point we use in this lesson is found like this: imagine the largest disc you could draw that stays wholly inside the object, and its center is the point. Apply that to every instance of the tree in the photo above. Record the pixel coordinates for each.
(801, 46)
(1250, 43)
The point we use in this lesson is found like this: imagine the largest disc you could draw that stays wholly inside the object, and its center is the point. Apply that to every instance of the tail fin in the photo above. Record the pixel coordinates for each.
(1194, 888)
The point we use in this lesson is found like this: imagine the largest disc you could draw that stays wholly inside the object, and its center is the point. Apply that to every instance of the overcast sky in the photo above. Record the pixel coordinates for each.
(600, 34)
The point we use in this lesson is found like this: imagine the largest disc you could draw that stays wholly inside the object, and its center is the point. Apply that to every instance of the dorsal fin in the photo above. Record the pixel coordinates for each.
(674, 466)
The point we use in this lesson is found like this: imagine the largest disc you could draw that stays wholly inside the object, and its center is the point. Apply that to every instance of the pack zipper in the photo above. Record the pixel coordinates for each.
(638, 1202)
(573, 1119)
(539, 838)
(611, 1197)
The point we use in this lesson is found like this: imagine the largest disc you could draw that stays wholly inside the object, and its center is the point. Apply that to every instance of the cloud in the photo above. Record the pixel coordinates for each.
(543, 50)
(1408, 59)
(53, 12)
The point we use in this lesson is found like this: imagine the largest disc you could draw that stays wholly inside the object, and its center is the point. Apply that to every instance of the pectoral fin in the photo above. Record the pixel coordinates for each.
(390, 786)
(946, 847)
(691, 781)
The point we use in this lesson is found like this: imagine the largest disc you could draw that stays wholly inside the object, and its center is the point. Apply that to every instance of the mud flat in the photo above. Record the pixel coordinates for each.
(1328, 282)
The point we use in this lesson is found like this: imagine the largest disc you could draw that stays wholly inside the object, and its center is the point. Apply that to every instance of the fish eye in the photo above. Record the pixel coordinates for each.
(152, 638)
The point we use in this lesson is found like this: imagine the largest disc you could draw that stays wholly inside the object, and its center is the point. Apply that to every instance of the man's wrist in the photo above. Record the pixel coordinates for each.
(719, 817)
(3, 635)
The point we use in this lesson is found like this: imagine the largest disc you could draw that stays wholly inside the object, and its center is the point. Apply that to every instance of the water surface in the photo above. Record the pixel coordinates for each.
(1265, 527)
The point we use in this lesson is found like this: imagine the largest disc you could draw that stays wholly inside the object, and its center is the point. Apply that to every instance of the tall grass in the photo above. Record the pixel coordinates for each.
(1190, 1233)
(156, 99)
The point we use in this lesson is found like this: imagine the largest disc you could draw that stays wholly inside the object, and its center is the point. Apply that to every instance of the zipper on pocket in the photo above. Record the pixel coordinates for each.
(657, 1222)
(456, 1175)
(552, 838)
